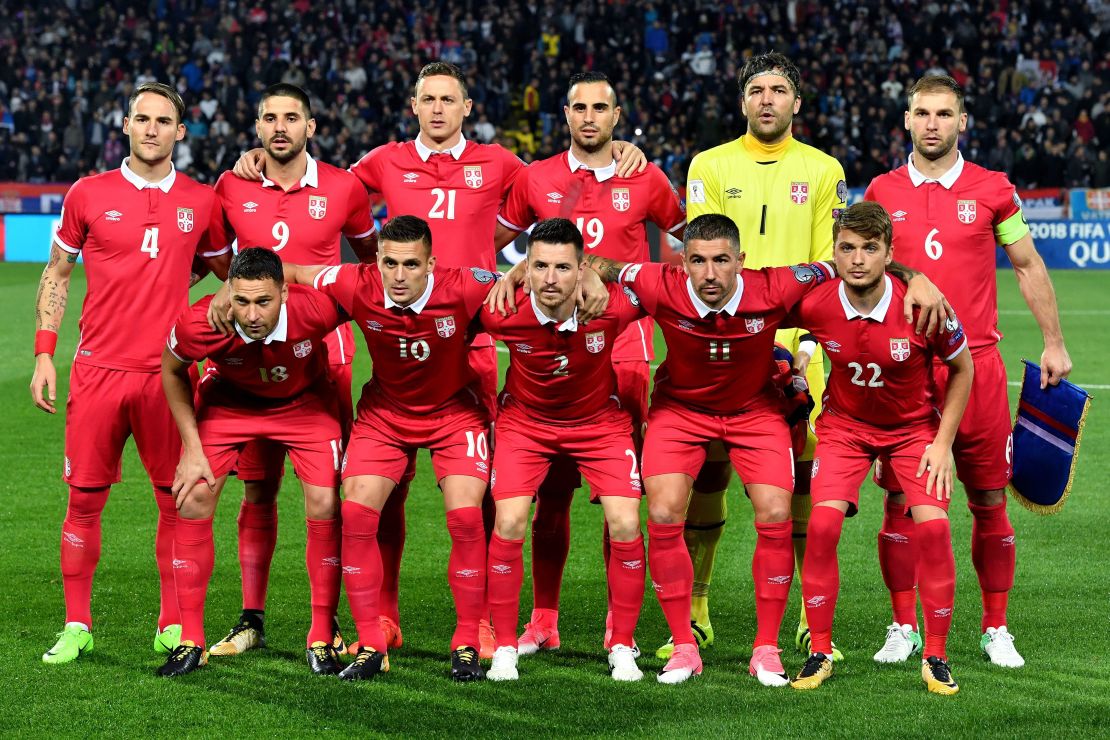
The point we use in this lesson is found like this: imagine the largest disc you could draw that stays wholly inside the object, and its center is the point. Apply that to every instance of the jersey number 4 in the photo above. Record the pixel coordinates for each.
(150, 242)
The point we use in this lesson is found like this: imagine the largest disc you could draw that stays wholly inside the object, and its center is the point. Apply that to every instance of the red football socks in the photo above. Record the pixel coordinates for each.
(163, 555)
(193, 559)
(550, 543)
(257, 540)
(322, 553)
(504, 578)
(898, 562)
(81, 550)
(672, 576)
(821, 575)
(466, 572)
(994, 555)
(362, 571)
(936, 567)
(626, 588)
(772, 572)
(391, 542)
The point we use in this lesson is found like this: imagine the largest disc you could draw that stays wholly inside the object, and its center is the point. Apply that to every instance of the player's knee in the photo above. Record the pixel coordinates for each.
(773, 512)
(511, 525)
(261, 491)
(995, 497)
(321, 502)
(624, 527)
(713, 476)
(200, 503)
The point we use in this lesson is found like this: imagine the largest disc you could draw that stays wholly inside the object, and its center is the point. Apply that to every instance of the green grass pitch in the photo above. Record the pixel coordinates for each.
(1058, 610)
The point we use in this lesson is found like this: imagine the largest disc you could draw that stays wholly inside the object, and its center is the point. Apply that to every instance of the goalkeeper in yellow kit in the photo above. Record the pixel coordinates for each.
(784, 196)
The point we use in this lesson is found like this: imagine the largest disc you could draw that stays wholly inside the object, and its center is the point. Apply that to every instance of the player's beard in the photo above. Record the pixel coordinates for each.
(290, 154)
(592, 147)
(865, 289)
(770, 133)
(938, 152)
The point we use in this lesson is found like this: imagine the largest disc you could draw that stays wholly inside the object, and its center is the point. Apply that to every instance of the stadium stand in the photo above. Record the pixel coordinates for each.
(1035, 72)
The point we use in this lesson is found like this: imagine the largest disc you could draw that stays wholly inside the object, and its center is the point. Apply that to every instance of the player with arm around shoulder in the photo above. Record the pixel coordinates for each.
(560, 399)
(416, 320)
(881, 402)
(267, 381)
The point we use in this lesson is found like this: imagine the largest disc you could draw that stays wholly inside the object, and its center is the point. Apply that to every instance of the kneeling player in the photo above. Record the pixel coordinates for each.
(422, 394)
(881, 402)
(267, 381)
(560, 400)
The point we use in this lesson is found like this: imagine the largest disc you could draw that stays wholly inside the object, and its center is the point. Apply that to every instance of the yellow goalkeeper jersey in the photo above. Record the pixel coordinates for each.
(783, 198)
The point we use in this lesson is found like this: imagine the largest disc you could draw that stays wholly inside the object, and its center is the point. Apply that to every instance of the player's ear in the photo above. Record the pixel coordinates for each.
(963, 122)
(889, 255)
(311, 127)
(284, 291)
(431, 262)
(180, 132)
(126, 126)
(467, 105)
(412, 104)
(906, 120)
(797, 104)
(740, 260)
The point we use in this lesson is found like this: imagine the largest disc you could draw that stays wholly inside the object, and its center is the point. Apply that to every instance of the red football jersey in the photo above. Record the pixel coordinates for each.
(563, 373)
(882, 372)
(259, 372)
(610, 211)
(302, 225)
(138, 240)
(458, 192)
(419, 353)
(717, 360)
(948, 230)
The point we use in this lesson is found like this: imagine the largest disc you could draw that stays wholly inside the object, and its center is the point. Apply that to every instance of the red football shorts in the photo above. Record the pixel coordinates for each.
(483, 361)
(103, 409)
(983, 448)
(601, 448)
(633, 379)
(846, 449)
(265, 460)
(383, 439)
(307, 429)
(757, 442)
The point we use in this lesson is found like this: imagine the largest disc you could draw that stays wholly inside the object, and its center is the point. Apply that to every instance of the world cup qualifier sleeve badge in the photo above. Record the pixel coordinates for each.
(185, 219)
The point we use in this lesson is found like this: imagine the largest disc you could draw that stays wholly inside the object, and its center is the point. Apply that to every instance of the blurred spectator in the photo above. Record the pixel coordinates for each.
(1034, 72)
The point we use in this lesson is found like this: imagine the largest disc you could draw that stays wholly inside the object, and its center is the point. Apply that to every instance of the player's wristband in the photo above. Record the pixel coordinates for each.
(45, 341)
(808, 346)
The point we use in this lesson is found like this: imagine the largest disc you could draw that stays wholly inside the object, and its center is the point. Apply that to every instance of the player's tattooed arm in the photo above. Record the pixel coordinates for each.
(607, 270)
(50, 307)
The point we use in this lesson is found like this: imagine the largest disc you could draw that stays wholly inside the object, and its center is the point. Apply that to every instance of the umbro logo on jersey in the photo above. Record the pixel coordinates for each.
(832, 346)
(233, 360)
(684, 324)
(899, 215)
(524, 349)
(733, 193)
(250, 206)
(554, 197)
(112, 215)
(410, 176)
(373, 326)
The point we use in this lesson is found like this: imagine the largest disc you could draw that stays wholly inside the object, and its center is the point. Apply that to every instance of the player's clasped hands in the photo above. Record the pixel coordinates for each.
(937, 462)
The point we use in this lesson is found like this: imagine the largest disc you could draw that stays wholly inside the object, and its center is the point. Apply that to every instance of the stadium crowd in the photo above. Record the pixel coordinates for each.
(1034, 71)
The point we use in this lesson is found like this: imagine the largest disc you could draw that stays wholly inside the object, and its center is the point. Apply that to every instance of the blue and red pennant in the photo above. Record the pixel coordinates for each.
(1047, 434)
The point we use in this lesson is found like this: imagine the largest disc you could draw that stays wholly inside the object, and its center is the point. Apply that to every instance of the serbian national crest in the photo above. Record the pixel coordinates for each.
(754, 325)
(595, 341)
(472, 176)
(900, 349)
(302, 349)
(445, 327)
(317, 206)
(622, 199)
(185, 219)
(965, 211)
(799, 192)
